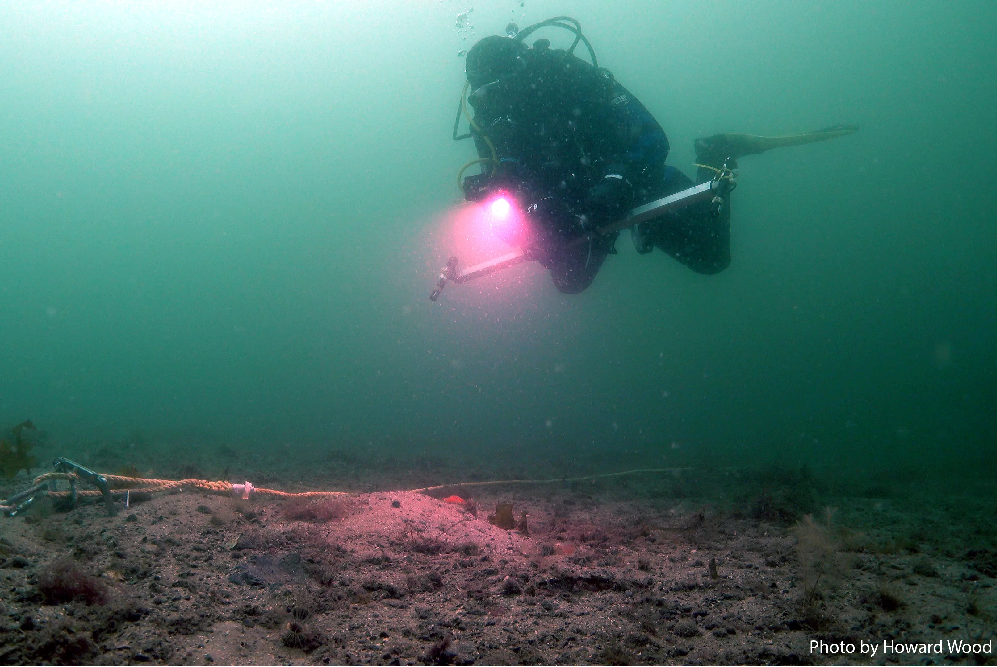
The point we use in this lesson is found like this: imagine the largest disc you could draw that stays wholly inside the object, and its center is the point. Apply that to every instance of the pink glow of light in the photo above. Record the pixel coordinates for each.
(503, 219)
(500, 208)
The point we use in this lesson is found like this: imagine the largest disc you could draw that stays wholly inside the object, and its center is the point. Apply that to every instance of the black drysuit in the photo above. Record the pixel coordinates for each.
(580, 151)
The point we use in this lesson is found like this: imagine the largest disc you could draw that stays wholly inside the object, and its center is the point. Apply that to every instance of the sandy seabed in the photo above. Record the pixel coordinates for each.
(408, 578)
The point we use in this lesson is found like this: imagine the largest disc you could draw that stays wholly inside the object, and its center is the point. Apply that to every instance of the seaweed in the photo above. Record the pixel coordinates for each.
(779, 495)
(424, 583)
(503, 516)
(15, 453)
(615, 653)
(298, 636)
(886, 598)
(322, 510)
(468, 549)
(818, 549)
(440, 653)
(428, 546)
(62, 643)
(983, 561)
(63, 581)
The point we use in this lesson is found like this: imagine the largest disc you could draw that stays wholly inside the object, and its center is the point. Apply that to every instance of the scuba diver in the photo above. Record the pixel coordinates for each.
(577, 150)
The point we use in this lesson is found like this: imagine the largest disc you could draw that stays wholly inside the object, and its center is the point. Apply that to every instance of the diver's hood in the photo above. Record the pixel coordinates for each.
(494, 58)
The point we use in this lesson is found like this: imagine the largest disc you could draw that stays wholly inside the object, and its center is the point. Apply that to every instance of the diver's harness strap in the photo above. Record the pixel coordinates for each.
(715, 191)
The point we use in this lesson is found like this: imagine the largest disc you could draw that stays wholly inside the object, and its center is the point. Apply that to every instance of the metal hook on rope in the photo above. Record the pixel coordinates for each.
(448, 273)
(723, 183)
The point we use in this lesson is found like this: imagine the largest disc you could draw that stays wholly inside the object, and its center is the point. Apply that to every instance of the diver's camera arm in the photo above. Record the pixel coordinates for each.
(697, 193)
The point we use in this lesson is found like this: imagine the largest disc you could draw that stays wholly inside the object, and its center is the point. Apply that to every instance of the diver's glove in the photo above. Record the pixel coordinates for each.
(477, 187)
(610, 199)
(506, 177)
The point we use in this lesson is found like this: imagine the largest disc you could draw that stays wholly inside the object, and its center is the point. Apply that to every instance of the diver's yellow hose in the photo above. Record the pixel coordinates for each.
(491, 146)
(460, 172)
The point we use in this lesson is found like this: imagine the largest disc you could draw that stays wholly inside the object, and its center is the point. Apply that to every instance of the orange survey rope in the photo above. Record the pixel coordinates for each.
(110, 485)
(120, 483)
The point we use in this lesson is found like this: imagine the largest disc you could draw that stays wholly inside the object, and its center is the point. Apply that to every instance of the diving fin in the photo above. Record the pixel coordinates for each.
(715, 150)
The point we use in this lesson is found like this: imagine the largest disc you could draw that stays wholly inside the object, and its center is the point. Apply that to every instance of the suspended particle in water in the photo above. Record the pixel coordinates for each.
(462, 53)
(943, 355)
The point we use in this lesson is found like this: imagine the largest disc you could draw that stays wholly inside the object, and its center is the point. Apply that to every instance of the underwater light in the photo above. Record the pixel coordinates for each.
(500, 208)
(503, 219)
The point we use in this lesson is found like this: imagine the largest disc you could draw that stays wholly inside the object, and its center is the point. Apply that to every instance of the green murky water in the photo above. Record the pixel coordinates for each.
(219, 226)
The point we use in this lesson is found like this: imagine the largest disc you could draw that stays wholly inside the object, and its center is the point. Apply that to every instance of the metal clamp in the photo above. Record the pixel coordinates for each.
(448, 273)
(723, 183)
(726, 176)
(65, 465)
(14, 505)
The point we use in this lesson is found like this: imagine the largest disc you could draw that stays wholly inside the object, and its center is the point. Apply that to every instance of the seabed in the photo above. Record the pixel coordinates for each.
(691, 566)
